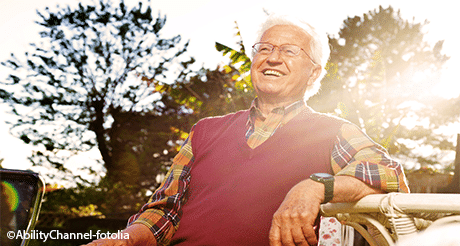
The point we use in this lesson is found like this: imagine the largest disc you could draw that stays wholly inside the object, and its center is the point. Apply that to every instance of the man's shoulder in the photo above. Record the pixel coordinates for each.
(309, 114)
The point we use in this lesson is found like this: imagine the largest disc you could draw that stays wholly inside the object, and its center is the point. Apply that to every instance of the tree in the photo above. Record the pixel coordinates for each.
(380, 74)
(217, 92)
(70, 93)
(209, 92)
(151, 140)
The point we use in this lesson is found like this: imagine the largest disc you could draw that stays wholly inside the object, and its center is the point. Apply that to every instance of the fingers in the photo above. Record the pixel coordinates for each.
(294, 237)
(291, 229)
(310, 235)
(275, 235)
(291, 233)
(294, 220)
(298, 236)
(286, 236)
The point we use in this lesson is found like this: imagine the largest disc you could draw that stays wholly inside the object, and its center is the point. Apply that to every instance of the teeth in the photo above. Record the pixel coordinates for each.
(272, 72)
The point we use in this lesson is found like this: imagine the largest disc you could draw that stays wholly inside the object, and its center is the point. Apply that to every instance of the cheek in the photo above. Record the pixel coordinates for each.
(256, 61)
(303, 70)
(254, 69)
(253, 75)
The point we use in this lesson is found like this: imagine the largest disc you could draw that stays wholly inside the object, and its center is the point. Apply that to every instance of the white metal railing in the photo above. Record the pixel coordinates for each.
(395, 216)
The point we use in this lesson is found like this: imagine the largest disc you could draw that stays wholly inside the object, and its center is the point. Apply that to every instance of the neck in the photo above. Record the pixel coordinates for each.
(266, 106)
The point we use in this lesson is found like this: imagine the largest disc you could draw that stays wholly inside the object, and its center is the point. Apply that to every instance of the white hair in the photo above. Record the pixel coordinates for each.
(319, 45)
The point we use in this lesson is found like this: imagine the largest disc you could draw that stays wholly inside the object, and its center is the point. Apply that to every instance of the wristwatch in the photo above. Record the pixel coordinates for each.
(328, 181)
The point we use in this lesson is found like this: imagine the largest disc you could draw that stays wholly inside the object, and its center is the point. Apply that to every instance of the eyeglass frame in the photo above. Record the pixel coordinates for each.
(279, 48)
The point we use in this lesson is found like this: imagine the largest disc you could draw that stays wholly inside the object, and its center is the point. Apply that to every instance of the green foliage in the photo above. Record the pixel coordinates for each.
(381, 73)
(107, 199)
(70, 90)
(96, 79)
(141, 140)
(210, 92)
(240, 62)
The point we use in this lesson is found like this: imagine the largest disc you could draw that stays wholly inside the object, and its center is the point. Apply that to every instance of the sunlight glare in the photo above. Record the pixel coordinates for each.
(449, 87)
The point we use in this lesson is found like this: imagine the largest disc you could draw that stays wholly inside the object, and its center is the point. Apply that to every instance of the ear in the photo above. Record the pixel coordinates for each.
(315, 72)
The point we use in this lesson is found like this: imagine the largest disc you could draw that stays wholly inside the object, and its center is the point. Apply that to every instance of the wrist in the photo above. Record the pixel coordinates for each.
(328, 182)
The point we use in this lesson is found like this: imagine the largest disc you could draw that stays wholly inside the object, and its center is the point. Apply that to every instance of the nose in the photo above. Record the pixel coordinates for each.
(275, 56)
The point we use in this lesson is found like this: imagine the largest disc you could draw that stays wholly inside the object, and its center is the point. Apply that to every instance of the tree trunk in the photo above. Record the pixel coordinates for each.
(98, 127)
(454, 186)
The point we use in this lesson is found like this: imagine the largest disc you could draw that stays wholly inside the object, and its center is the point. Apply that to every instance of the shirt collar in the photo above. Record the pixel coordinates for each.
(255, 113)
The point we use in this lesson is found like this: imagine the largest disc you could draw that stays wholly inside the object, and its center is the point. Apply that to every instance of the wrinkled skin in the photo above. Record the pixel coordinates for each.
(290, 76)
(293, 222)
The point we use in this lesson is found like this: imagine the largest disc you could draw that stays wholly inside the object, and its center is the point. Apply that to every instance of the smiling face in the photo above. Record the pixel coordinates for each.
(283, 79)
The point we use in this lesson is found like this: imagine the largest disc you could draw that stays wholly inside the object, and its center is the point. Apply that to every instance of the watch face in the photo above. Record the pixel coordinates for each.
(323, 175)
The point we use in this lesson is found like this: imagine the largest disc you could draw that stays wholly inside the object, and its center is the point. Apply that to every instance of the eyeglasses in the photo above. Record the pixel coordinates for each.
(289, 50)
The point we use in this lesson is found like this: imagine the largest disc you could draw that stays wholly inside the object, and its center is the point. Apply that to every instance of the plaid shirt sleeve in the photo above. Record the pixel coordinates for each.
(161, 214)
(355, 154)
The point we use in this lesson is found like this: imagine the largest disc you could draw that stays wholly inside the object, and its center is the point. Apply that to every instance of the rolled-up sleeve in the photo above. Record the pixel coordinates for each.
(355, 154)
(162, 213)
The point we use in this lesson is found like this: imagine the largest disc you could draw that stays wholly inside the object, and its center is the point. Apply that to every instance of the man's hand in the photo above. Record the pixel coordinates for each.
(138, 235)
(293, 222)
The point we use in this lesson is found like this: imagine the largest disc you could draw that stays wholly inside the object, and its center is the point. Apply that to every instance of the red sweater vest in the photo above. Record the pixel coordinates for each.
(235, 190)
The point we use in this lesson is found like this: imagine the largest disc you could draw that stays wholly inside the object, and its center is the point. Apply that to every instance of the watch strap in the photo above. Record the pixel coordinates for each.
(328, 190)
(328, 181)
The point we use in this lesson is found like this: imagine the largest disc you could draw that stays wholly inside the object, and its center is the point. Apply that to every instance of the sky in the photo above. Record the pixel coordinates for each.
(205, 22)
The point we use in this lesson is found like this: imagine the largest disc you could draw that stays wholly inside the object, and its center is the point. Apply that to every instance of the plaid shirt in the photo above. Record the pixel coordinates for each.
(354, 154)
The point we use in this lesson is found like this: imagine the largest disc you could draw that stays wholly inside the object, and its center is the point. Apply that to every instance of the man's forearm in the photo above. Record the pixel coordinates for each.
(295, 218)
(351, 189)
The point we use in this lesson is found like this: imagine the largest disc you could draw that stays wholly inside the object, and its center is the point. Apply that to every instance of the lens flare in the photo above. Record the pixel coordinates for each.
(12, 196)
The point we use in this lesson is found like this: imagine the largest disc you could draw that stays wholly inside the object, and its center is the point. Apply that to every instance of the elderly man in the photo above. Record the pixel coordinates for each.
(259, 176)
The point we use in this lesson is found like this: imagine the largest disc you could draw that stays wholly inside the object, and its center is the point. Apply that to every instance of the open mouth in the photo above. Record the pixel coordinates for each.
(270, 72)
